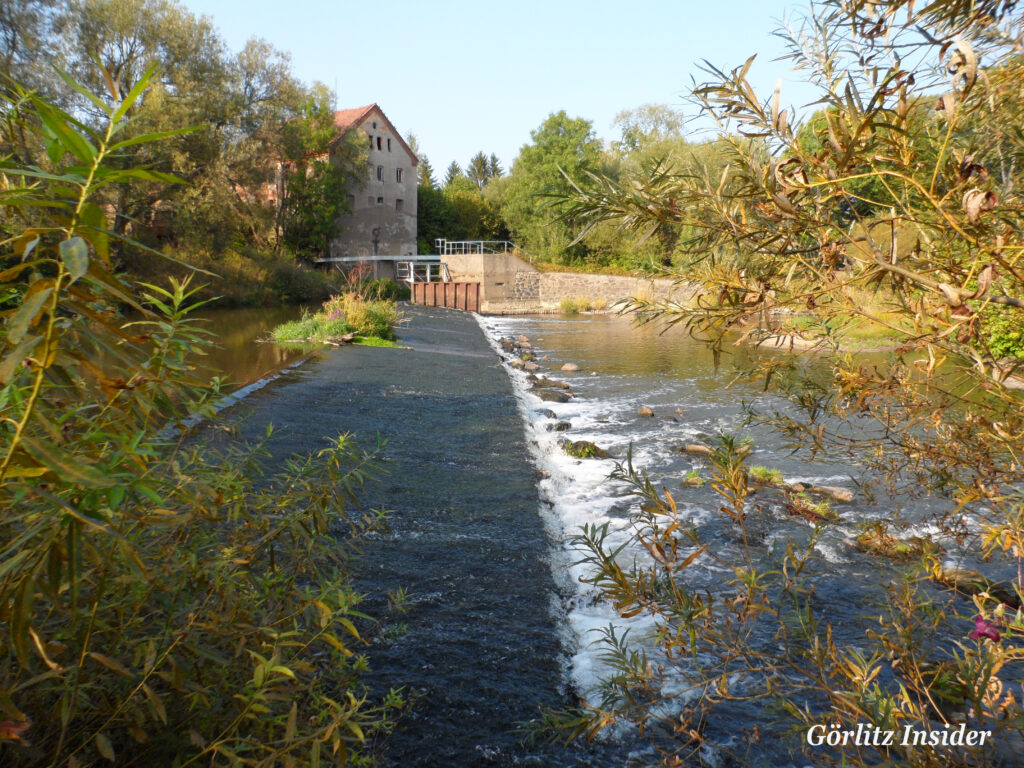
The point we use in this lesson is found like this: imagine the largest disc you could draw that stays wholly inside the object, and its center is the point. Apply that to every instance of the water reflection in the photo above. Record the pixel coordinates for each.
(243, 353)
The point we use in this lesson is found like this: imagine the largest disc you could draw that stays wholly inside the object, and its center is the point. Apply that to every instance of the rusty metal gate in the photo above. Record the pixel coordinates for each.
(452, 295)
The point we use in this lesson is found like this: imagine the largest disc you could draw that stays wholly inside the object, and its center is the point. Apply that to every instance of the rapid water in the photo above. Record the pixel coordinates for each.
(621, 369)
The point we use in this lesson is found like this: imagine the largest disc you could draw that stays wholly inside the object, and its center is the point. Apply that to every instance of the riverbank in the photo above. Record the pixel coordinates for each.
(481, 647)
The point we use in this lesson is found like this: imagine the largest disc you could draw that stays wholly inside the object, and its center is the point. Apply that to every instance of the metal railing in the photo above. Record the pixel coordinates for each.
(422, 272)
(452, 247)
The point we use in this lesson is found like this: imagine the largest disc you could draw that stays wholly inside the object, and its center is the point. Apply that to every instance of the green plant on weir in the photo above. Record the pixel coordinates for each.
(158, 607)
(765, 475)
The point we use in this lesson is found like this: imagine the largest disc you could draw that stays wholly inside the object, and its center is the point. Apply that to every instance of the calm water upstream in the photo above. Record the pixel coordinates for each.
(242, 354)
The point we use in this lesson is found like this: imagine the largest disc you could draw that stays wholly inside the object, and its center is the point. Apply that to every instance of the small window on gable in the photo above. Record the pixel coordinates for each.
(389, 145)
(398, 175)
(374, 126)
(380, 201)
(380, 173)
(378, 142)
(399, 205)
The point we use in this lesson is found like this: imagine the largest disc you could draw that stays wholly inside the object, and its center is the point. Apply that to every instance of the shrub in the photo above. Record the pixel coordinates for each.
(159, 606)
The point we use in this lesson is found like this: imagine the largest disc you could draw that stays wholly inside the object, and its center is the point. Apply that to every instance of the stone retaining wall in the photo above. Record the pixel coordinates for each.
(531, 292)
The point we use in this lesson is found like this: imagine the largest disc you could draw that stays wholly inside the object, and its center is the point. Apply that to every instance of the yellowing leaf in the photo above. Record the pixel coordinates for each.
(105, 747)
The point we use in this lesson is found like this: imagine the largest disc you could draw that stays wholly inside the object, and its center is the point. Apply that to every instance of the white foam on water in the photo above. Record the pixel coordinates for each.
(575, 493)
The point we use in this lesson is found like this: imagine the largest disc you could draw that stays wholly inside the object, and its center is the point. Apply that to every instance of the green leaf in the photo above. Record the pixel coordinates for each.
(100, 104)
(95, 221)
(29, 310)
(59, 122)
(147, 138)
(75, 254)
(134, 94)
(64, 464)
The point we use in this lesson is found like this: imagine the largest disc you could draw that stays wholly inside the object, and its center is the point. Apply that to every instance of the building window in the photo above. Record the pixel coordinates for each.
(378, 142)
(374, 126)
(399, 205)
(380, 201)
(371, 141)
(380, 173)
(389, 145)
(398, 175)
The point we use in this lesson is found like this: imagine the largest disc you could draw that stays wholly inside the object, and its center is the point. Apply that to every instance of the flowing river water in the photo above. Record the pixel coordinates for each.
(500, 624)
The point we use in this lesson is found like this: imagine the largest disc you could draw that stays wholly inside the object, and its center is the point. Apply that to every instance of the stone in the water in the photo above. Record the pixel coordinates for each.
(546, 359)
(644, 411)
(524, 345)
(523, 337)
(531, 366)
(551, 396)
(547, 413)
(516, 363)
(695, 449)
(570, 367)
(543, 383)
(833, 492)
(559, 426)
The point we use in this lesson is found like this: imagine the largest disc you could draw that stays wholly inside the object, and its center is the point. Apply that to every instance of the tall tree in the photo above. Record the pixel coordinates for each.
(424, 170)
(561, 145)
(320, 163)
(494, 168)
(479, 169)
(647, 124)
(454, 171)
(426, 173)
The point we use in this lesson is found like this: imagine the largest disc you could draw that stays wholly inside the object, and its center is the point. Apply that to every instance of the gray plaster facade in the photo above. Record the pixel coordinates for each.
(382, 221)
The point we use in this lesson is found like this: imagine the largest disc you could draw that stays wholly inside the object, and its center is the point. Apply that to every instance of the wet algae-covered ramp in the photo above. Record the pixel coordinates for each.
(480, 651)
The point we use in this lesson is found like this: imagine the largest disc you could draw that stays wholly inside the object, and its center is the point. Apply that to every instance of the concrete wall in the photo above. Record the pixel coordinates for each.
(375, 205)
(497, 273)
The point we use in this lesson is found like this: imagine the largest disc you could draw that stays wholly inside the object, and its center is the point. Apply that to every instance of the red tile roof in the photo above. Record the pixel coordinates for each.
(346, 119)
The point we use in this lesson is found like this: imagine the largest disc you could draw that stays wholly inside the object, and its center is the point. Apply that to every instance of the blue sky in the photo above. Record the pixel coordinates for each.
(470, 76)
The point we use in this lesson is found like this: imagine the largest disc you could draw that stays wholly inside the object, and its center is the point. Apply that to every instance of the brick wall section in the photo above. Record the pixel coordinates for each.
(544, 291)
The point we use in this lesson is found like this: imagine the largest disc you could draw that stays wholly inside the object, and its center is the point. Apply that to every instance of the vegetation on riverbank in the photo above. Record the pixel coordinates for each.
(350, 317)
(160, 607)
(893, 213)
(239, 279)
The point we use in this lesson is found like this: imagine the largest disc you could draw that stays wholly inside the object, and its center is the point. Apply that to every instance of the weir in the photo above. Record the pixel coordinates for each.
(480, 649)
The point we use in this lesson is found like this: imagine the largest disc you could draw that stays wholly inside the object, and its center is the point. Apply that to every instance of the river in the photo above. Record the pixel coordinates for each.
(243, 352)
(411, 398)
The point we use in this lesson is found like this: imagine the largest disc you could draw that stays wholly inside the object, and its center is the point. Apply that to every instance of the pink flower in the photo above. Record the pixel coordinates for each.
(985, 628)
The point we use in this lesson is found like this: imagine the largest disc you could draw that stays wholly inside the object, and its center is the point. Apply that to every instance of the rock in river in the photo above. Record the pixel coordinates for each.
(543, 383)
(552, 396)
